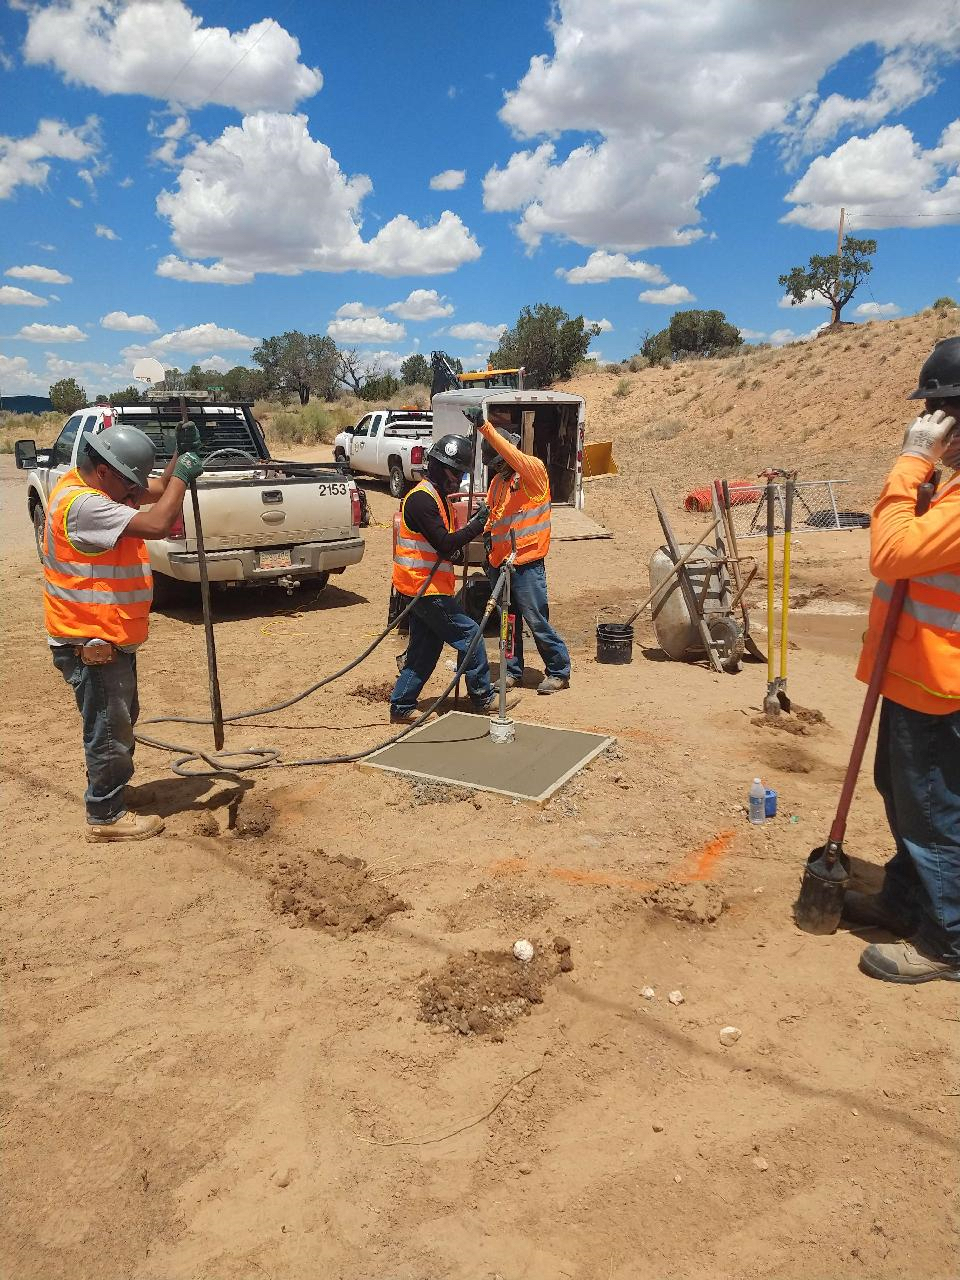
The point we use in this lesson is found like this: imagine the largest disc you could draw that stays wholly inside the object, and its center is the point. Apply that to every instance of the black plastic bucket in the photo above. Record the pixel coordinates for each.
(614, 642)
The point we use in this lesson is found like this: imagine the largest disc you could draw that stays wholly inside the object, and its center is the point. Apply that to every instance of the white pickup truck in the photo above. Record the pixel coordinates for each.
(264, 520)
(391, 443)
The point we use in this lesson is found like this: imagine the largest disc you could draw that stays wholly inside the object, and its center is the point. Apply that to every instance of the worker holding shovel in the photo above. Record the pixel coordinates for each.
(917, 768)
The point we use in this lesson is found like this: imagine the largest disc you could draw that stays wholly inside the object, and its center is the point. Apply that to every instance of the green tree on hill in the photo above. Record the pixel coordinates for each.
(67, 395)
(304, 363)
(692, 333)
(546, 342)
(835, 280)
(415, 368)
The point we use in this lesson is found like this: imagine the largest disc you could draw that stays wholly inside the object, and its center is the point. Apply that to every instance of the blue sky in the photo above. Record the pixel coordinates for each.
(182, 179)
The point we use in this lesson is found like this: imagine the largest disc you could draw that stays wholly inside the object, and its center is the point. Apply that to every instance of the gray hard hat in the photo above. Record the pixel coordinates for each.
(453, 452)
(489, 454)
(127, 449)
(940, 374)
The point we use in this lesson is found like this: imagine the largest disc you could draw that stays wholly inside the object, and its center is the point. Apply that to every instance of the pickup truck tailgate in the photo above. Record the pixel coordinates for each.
(251, 509)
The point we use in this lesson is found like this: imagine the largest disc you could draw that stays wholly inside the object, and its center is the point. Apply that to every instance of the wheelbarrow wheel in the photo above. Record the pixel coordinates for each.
(727, 633)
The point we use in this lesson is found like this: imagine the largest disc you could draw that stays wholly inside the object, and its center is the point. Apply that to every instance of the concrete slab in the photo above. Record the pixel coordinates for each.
(458, 749)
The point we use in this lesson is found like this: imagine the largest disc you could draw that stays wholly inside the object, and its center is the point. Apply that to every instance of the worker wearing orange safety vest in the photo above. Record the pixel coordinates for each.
(519, 502)
(918, 744)
(425, 549)
(97, 593)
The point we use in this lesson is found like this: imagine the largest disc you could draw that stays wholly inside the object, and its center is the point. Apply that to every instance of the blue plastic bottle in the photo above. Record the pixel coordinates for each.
(757, 801)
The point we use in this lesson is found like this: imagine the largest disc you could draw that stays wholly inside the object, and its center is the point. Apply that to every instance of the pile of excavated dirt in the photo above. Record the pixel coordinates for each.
(697, 903)
(801, 721)
(514, 907)
(425, 791)
(483, 992)
(377, 691)
(337, 894)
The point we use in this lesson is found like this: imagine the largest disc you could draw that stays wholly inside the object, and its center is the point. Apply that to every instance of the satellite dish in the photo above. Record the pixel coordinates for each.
(149, 370)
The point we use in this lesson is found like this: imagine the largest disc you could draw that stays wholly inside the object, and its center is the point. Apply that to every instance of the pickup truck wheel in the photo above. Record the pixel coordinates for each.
(397, 482)
(168, 591)
(339, 455)
(39, 519)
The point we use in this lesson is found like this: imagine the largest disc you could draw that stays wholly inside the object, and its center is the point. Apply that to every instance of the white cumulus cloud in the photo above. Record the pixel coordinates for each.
(229, 204)
(602, 266)
(17, 378)
(449, 180)
(215, 364)
(134, 324)
(161, 49)
(886, 179)
(477, 332)
(52, 333)
(809, 300)
(355, 311)
(173, 268)
(11, 296)
(877, 310)
(24, 162)
(603, 325)
(42, 275)
(365, 329)
(643, 104)
(105, 233)
(669, 296)
(421, 304)
(198, 339)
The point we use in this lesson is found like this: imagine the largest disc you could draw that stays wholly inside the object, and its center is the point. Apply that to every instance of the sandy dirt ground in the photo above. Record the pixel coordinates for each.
(236, 1051)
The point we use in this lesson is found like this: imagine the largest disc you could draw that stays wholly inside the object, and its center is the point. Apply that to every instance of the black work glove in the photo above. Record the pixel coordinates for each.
(188, 438)
(474, 415)
(482, 513)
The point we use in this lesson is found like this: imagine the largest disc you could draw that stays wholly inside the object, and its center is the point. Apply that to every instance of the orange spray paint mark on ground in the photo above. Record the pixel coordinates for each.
(698, 864)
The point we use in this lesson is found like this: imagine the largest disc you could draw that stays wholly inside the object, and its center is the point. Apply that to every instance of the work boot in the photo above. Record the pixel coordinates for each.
(492, 705)
(407, 717)
(130, 826)
(902, 962)
(514, 682)
(553, 684)
(869, 909)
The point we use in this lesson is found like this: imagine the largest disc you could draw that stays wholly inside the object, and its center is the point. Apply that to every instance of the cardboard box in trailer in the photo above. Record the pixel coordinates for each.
(551, 425)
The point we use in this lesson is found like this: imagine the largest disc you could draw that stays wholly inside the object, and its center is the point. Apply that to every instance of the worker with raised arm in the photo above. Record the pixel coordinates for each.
(426, 535)
(917, 769)
(519, 502)
(97, 594)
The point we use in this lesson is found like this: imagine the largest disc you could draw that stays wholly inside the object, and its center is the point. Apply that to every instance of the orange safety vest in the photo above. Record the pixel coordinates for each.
(924, 668)
(101, 595)
(414, 556)
(514, 509)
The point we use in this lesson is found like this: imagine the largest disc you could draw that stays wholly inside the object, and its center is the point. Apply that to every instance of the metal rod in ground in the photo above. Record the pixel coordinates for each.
(466, 549)
(216, 710)
(504, 631)
(686, 586)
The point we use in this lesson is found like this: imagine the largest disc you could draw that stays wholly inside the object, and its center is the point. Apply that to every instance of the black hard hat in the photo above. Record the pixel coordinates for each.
(940, 375)
(489, 454)
(453, 452)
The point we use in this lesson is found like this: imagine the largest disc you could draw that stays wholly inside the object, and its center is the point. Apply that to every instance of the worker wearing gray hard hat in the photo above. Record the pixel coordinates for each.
(917, 770)
(97, 594)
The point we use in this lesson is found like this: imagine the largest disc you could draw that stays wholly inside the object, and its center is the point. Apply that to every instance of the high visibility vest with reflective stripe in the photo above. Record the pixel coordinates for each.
(414, 556)
(101, 595)
(924, 668)
(514, 510)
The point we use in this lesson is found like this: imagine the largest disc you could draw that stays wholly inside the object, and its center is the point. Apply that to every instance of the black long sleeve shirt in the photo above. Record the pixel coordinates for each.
(422, 516)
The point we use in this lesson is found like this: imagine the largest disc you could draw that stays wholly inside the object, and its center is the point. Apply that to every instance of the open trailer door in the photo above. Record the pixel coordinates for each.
(570, 524)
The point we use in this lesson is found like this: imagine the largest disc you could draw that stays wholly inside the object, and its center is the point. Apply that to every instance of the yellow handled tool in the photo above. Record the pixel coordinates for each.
(785, 604)
(771, 703)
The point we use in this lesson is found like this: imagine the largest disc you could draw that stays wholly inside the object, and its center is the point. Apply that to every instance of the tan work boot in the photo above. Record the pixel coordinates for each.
(492, 705)
(902, 962)
(131, 826)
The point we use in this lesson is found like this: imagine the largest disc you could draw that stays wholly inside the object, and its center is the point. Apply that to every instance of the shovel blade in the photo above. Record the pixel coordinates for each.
(771, 703)
(820, 902)
(782, 697)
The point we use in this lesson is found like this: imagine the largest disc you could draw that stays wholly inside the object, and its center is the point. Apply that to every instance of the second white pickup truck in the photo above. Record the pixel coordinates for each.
(391, 443)
(263, 520)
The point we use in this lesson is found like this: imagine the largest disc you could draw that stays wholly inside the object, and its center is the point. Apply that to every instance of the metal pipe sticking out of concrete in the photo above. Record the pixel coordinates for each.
(501, 728)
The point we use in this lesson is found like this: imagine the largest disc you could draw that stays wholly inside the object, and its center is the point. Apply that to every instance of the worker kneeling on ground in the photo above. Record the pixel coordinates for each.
(918, 743)
(97, 593)
(427, 532)
(519, 502)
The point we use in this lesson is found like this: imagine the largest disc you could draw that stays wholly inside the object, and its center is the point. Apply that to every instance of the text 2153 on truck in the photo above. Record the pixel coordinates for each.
(391, 443)
(264, 520)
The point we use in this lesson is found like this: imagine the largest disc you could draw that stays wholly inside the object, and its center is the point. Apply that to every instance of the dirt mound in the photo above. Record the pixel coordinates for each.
(482, 992)
(696, 903)
(801, 721)
(337, 894)
(377, 691)
(423, 791)
(511, 906)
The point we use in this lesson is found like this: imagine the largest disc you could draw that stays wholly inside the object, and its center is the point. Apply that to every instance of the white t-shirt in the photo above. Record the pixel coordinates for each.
(94, 523)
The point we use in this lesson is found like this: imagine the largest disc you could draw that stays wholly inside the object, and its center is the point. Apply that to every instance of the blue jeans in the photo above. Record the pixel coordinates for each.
(917, 772)
(436, 621)
(107, 701)
(528, 598)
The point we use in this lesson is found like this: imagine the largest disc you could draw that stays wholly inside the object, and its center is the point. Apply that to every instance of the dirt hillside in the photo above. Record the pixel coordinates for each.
(289, 1037)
